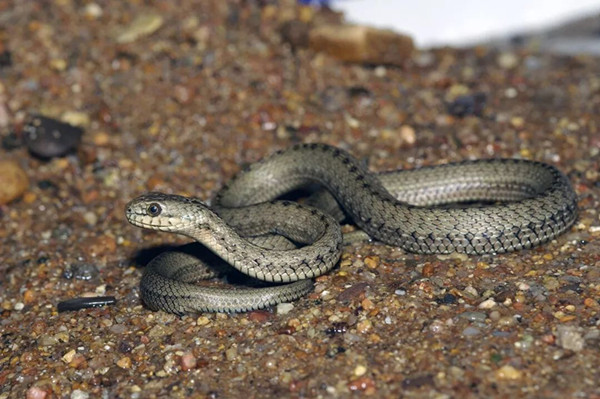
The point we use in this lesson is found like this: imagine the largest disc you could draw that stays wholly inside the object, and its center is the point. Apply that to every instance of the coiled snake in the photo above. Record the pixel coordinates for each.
(525, 203)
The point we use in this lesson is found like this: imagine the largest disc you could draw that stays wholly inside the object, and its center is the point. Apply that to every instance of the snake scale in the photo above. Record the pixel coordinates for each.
(503, 205)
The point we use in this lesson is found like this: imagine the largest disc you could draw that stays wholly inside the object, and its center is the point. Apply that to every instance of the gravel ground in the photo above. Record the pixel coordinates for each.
(177, 97)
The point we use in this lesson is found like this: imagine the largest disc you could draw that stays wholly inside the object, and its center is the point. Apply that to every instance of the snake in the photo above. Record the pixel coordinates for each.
(475, 207)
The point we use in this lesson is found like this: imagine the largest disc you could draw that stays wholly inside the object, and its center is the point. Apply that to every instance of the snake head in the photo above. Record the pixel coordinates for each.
(166, 212)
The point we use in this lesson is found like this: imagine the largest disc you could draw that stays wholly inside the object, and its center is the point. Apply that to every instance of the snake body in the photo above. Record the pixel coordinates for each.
(525, 203)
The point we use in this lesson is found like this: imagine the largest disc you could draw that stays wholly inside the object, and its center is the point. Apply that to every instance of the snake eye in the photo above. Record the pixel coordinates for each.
(153, 209)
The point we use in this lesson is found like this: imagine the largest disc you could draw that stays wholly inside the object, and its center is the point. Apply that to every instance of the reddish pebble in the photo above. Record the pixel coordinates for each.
(36, 393)
(549, 339)
(428, 270)
(259, 316)
(188, 361)
(183, 94)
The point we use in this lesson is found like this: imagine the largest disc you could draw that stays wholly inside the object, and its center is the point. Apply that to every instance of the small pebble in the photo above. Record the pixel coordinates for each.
(352, 292)
(47, 340)
(13, 181)
(506, 321)
(467, 105)
(511, 92)
(284, 308)
(101, 139)
(142, 25)
(36, 393)
(569, 337)
(360, 370)
(408, 134)
(124, 362)
(118, 328)
(364, 326)
(508, 372)
(508, 60)
(494, 315)
(428, 270)
(79, 394)
(68, 357)
(487, 304)
(92, 10)
(183, 94)
(474, 316)
(188, 361)
(591, 303)
(90, 218)
(372, 262)
(367, 304)
(259, 316)
(447, 299)
(231, 353)
(76, 118)
(471, 331)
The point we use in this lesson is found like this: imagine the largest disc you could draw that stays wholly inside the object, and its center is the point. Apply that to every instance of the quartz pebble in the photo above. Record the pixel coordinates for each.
(284, 308)
(569, 337)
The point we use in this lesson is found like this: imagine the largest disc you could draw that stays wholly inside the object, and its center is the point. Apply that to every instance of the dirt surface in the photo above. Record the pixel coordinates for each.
(177, 97)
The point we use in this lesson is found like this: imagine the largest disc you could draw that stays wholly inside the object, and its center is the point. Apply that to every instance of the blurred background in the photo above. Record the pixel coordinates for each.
(560, 26)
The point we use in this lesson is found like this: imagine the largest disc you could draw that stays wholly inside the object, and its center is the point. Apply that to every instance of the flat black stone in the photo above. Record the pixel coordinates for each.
(48, 138)
(84, 303)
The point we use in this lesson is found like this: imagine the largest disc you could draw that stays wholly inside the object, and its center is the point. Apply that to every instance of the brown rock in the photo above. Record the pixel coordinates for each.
(362, 44)
(428, 270)
(13, 181)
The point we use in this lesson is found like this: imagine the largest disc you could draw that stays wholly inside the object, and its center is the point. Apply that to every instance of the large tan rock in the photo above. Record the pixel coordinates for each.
(13, 181)
(362, 44)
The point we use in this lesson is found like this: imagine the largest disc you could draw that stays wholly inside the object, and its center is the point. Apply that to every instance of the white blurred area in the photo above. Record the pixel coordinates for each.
(463, 22)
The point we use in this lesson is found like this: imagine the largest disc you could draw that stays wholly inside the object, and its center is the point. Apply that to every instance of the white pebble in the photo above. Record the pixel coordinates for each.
(487, 304)
(284, 308)
(79, 394)
(90, 218)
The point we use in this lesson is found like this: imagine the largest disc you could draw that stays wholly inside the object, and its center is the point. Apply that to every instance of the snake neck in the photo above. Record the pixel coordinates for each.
(222, 236)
